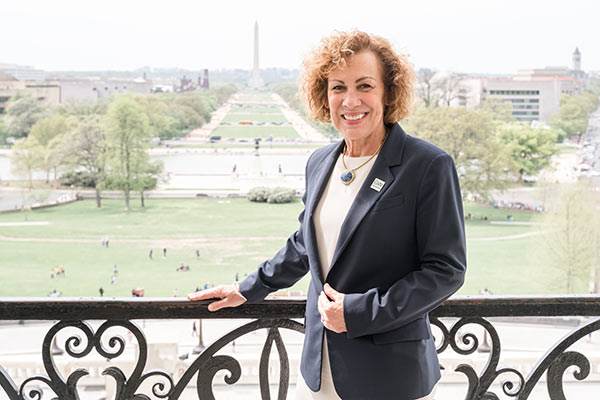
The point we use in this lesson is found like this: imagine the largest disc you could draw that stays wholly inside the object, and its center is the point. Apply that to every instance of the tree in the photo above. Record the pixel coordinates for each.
(482, 160)
(147, 175)
(571, 243)
(128, 136)
(3, 131)
(530, 148)
(25, 157)
(88, 149)
(500, 110)
(82, 109)
(573, 113)
(48, 132)
(447, 87)
(22, 113)
(161, 123)
(426, 87)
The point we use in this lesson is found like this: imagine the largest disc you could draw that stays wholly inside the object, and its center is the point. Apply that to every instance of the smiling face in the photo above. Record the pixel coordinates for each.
(355, 96)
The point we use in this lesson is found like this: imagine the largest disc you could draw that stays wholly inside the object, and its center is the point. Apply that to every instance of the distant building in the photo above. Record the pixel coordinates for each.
(187, 85)
(205, 84)
(46, 92)
(533, 93)
(23, 73)
(532, 100)
(65, 90)
(74, 90)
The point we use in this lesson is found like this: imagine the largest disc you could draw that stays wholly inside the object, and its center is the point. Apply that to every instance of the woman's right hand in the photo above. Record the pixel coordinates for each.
(229, 296)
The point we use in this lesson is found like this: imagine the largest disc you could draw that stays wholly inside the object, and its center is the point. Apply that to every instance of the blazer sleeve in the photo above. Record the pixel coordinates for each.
(441, 250)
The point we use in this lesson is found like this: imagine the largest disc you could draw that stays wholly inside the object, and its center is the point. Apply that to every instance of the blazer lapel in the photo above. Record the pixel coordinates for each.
(319, 184)
(322, 178)
(390, 155)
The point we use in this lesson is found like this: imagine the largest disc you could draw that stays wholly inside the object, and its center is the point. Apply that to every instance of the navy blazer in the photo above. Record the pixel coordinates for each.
(400, 253)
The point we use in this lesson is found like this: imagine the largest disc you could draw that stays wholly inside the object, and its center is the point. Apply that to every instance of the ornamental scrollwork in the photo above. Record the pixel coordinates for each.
(457, 336)
(111, 346)
(555, 362)
(467, 343)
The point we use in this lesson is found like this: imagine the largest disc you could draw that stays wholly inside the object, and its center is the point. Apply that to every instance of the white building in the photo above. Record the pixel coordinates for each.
(66, 91)
(23, 73)
(534, 93)
(46, 92)
(74, 90)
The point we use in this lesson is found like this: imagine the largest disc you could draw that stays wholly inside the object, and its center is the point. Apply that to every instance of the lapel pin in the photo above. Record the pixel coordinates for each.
(377, 184)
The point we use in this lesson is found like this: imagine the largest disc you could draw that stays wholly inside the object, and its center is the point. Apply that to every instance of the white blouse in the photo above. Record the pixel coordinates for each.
(328, 218)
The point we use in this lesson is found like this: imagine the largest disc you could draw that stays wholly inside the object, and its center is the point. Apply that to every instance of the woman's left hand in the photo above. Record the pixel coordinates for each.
(331, 308)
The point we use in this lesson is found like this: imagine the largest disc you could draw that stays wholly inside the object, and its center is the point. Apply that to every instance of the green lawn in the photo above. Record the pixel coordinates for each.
(255, 131)
(266, 97)
(253, 109)
(271, 117)
(224, 231)
(232, 235)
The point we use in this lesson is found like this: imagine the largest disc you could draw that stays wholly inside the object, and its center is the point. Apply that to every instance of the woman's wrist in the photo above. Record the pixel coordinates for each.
(236, 286)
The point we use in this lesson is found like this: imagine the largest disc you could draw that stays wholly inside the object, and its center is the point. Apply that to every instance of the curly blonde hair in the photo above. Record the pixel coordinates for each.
(334, 51)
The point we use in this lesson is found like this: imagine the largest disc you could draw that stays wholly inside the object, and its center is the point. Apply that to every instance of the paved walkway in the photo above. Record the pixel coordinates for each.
(215, 119)
(304, 129)
(12, 198)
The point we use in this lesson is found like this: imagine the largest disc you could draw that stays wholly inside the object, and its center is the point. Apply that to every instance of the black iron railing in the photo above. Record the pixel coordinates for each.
(450, 321)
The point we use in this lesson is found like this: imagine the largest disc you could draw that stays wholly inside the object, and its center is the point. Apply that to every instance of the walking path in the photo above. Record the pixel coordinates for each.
(215, 120)
(509, 237)
(304, 129)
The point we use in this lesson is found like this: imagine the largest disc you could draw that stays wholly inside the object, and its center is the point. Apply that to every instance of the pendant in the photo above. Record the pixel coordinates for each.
(347, 177)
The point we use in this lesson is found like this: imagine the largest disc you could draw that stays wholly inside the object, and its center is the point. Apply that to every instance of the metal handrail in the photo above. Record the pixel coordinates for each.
(94, 308)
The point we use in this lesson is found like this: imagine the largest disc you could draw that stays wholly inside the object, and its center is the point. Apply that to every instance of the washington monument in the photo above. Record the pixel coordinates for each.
(255, 81)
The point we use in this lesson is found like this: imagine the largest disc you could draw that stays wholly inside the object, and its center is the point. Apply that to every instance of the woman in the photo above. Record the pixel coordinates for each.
(381, 234)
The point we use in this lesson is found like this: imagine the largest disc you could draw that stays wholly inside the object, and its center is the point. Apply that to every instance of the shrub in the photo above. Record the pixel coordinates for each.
(281, 195)
(79, 179)
(258, 194)
(273, 195)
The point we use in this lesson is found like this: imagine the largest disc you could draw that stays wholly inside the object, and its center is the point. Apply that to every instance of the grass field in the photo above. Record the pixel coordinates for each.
(233, 236)
(224, 231)
(254, 131)
(252, 109)
(264, 117)
(253, 96)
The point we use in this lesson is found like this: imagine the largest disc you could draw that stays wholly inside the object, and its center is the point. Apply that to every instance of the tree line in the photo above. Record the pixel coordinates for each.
(491, 149)
(289, 93)
(103, 145)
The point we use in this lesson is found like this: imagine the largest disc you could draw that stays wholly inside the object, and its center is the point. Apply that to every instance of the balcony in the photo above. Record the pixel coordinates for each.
(484, 342)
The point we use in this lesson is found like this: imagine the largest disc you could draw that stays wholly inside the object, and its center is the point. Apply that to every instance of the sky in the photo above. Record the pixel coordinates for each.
(483, 36)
